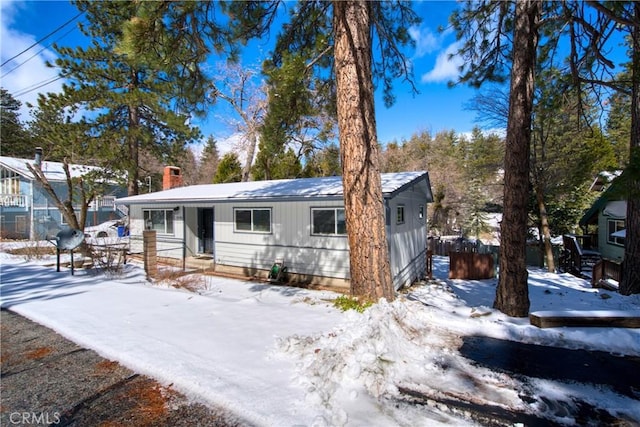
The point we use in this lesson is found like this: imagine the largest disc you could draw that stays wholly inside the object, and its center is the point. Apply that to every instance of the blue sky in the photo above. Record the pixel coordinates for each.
(435, 108)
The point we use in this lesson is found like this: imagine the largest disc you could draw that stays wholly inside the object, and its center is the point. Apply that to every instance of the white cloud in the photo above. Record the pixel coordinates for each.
(234, 143)
(446, 67)
(426, 41)
(26, 75)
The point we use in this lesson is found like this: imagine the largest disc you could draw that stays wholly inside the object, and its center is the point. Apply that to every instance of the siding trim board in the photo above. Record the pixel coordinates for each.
(281, 246)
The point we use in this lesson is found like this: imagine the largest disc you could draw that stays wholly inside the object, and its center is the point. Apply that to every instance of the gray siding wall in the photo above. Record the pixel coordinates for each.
(407, 241)
(607, 250)
(290, 238)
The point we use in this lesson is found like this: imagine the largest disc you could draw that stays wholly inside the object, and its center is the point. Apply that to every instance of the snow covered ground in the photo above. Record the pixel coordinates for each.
(281, 356)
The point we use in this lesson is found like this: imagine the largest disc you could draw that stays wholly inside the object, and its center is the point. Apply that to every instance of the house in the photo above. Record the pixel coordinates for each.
(245, 227)
(605, 220)
(27, 211)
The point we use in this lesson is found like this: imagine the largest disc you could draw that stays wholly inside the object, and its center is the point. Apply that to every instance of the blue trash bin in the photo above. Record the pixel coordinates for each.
(121, 231)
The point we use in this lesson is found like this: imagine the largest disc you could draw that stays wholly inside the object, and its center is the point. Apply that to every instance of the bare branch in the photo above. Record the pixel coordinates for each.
(609, 14)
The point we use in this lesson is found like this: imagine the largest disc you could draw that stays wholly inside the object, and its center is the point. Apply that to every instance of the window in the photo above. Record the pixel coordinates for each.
(400, 214)
(253, 220)
(159, 220)
(421, 212)
(614, 225)
(21, 224)
(9, 182)
(328, 221)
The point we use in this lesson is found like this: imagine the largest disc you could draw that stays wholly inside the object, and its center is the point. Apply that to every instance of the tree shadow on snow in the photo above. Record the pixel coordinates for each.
(28, 283)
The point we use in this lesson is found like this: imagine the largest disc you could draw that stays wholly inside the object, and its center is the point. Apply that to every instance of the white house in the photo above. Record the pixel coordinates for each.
(245, 227)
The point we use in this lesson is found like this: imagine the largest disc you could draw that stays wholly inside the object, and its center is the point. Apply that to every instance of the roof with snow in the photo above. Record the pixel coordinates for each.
(614, 192)
(53, 171)
(303, 188)
(603, 179)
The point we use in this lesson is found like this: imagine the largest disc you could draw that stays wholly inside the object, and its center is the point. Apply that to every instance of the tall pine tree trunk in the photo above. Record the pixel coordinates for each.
(545, 230)
(133, 148)
(364, 205)
(630, 282)
(512, 294)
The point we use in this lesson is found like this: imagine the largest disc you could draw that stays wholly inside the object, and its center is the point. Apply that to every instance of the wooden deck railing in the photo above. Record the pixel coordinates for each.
(575, 259)
(606, 274)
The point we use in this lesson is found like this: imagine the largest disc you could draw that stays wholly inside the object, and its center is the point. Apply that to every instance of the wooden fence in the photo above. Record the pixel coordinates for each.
(467, 259)
(442, 247)
(470, 266)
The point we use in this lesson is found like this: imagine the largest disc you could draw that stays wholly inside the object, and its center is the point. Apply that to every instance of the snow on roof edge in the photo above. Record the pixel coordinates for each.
(52, 170)
(273, 189)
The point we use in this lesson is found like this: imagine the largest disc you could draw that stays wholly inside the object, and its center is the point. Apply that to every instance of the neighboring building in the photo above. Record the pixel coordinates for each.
(27, 211)
(605, 221)
(243, 228)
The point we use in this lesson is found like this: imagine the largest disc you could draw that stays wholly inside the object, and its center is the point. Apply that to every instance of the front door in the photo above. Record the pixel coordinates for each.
(205, 230)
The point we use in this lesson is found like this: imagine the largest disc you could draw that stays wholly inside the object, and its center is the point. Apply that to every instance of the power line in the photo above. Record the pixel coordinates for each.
(36, 54)
(36, 86)
(43, 39)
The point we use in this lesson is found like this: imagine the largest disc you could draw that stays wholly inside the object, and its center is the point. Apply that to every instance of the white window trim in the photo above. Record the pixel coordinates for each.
(235, 222)
(172, 233)
(615, 240)
(335, 222)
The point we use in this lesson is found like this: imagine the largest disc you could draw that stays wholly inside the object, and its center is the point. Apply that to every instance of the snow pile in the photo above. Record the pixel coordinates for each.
(411, 345)
(389, 346)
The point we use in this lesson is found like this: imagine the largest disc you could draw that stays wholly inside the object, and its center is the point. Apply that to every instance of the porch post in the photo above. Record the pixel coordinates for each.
(150, 253)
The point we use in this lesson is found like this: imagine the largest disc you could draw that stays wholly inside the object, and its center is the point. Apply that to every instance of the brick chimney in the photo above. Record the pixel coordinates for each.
(171, 178)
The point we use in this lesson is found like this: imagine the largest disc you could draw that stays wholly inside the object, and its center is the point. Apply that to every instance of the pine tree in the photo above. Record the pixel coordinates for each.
(630, 283)
(618, 127)
(14, 140)
(130, 104)
(229, 169)
(323, 162)
(485, 28)
(209, 161)
(512, 294)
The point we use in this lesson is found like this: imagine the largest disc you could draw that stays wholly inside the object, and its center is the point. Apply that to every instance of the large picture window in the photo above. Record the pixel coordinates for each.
(253, 220)
(614, 225)
(328, 221)
(160, 220)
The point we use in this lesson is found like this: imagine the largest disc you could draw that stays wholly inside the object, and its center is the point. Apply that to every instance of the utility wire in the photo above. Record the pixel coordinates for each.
(36, 86)
(43, 39)
(36, 54)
